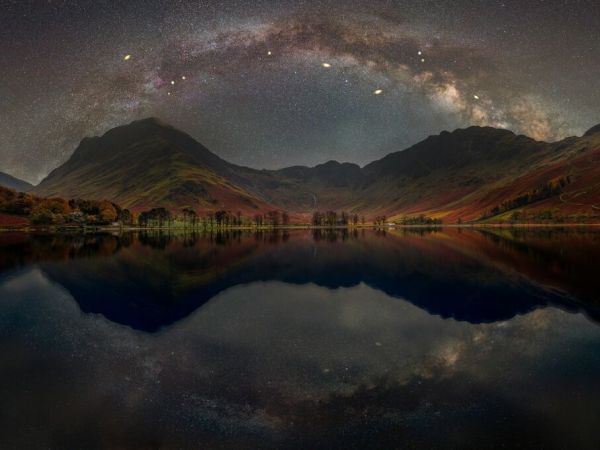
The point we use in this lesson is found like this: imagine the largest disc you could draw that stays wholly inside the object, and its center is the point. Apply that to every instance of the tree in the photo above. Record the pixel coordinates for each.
(331, 218)
(344, 218)
(143, 219)
(273, 218)
(107, 212)
(285, 218)
(125, 217)
(189, 215)
(379, 220)
(58, 206)
(220, 217)
(317, 219)
(163, 216)
(42, 216)
(258, 220)
(156, 216)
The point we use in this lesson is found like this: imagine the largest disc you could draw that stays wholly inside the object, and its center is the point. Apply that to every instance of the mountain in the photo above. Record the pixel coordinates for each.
(11, 182)
(478, 171)
(467, 174)
(593, 130)
(145, 164)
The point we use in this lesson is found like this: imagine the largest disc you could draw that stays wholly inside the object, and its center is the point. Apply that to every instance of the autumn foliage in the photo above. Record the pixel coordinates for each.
(58, 211)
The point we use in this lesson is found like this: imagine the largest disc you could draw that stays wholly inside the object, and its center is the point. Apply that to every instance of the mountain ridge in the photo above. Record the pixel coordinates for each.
(464, 174)
(593, 130)
(15, 183)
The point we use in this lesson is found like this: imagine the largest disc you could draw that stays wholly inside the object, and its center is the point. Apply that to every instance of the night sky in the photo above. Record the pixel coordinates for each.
(277, 83)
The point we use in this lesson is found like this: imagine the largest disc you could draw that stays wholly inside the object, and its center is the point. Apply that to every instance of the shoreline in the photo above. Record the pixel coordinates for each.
(179, 228)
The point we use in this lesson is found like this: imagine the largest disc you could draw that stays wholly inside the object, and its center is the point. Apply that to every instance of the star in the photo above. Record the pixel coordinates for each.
(226, 58)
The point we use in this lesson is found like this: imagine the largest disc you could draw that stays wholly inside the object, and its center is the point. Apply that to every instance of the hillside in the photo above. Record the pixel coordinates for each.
(472, 173)
(468, 174)
(147, 164)
(11, 182)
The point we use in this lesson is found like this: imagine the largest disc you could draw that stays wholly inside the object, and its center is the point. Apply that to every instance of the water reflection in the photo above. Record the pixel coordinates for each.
(151, 280)
(300, 340)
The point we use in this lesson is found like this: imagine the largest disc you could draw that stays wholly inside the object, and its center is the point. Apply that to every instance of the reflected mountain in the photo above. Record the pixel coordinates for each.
(149, 281)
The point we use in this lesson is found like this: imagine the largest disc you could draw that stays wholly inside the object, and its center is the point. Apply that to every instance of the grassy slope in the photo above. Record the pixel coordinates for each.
(148, 174)
(448, 194)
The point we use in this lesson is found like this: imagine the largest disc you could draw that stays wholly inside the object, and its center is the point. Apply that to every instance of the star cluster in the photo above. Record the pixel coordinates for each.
(271, 84)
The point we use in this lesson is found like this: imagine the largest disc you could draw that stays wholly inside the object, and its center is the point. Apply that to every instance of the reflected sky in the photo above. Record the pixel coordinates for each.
(150, 281)
(298, 361)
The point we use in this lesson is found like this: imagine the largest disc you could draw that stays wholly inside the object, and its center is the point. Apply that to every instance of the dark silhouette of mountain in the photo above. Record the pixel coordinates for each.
(145, 164)
(151, 281)
(593, 130)
(11, 182)
(464, 174)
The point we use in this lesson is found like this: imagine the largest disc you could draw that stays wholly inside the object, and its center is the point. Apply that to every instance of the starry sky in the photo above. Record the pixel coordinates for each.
(269, 84)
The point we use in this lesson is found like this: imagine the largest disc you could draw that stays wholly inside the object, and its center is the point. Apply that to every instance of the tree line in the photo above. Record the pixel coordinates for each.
(83, 212)
(58, 211)
(161, 217)
(421, 219)
(335, 219)
(546, 190)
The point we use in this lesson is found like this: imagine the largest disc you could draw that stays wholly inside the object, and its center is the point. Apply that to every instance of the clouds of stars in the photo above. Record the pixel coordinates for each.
(269, 87)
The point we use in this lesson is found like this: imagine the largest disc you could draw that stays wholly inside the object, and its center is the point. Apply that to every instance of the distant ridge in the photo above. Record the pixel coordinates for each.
(593, 130)
(465, 174)
(9, 181)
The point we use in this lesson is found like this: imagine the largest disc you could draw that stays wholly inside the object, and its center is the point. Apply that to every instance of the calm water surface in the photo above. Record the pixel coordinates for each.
(404, 339)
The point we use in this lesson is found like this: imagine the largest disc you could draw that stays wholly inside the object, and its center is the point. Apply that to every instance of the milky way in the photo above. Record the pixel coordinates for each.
(271, 84)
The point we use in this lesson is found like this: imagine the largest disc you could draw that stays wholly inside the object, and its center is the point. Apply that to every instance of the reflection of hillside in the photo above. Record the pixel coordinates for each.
(561, 258)
(151, 280)
(18, 249)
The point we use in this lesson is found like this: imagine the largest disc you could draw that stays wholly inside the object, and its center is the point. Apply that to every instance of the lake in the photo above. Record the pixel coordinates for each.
(413, 338)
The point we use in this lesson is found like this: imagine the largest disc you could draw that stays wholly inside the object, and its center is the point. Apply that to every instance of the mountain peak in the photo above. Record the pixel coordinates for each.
(141, 126)
(154, 121)
(482, 130)
(139, 132)
(332, 163)
(593, 130)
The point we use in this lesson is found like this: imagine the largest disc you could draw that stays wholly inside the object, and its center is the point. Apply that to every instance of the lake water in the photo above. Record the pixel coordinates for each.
(399, 339)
